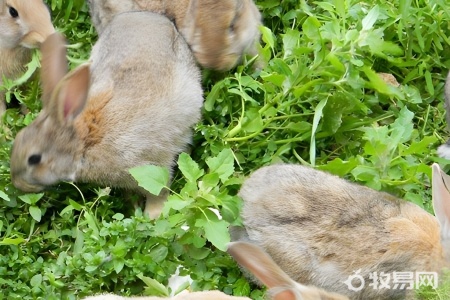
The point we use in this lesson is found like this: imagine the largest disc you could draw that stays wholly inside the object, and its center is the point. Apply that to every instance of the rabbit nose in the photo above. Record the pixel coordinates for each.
(24, 186)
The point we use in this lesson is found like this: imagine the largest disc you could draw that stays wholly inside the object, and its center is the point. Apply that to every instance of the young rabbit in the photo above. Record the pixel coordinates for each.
(24, 24)
(134, 104)
(218, 32)
(326, 232)
(444, 150)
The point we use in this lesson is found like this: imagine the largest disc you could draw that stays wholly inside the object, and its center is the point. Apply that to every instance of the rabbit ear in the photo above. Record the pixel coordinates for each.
(189, 26)
(441, 199)
(263, 267)
(54, 63)
(70, 95)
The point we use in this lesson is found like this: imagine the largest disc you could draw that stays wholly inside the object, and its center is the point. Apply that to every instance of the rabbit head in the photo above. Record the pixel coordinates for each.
(321, 229)
(25, 23)
(34, 164)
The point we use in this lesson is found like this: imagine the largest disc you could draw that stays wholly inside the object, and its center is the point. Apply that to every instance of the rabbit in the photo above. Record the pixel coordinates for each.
(444, 150)
(24, 24)
(133, 104)
(327, 232)
(218, 32)
(263, 267)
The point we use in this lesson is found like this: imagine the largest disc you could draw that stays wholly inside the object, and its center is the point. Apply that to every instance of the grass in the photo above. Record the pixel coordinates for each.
(318, 100)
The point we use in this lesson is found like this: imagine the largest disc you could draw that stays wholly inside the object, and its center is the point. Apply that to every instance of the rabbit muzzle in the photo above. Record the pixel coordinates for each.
(25, 186)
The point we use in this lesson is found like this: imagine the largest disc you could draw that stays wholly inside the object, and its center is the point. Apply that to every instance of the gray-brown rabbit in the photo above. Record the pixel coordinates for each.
(133, 104)
(24, 24)
(218, 32)
(324, 231)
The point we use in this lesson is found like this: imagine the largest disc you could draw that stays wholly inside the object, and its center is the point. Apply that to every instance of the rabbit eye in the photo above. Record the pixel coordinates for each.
(34, 159)
(13, 12)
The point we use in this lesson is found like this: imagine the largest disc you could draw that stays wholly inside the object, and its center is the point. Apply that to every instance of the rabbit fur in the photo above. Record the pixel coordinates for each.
(24, 24)
(218, 32)
(321, 229)
(133, 104)
(444, 150)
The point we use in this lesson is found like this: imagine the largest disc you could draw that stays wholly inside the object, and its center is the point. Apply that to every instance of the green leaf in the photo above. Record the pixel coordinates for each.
(75, 205)
(152, 178)
(118, 217)
(176, 203)
(209, 181)
(36, 280)
(317, 117)
(118, 265)
(35, 212)
(12, 241)
(159, 253)
(216, 231)
(31, 198)
(290, 41)
(79, 241)
(154, 288)
(311, 28)
(4, 196)
(371, 18)
(189, 168)
(222, 164)
(92, 223)
(267, 36)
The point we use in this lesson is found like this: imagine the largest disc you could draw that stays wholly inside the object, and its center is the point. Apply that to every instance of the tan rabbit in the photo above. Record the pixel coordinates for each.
(24, 24)
(326, 232)
(133, 105)
(218, 32)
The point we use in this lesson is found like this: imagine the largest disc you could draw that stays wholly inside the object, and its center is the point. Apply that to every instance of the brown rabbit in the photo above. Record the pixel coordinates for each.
(218, 32)
(24, 24)
(326, 232)
(134, 104)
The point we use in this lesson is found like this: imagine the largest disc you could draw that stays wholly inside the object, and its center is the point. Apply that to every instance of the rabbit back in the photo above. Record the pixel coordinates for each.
(154, 95)
(218, 32)
(320, 229)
